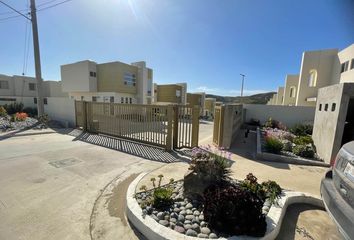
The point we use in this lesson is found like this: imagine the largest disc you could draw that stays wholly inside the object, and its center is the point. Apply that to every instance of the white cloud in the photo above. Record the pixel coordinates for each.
(229, 92)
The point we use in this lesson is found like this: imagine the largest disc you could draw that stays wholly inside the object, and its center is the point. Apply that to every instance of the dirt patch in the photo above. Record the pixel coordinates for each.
(117, 202)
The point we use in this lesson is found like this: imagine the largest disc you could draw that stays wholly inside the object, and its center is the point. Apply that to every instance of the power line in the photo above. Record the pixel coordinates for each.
(54, 5)
(7, 5)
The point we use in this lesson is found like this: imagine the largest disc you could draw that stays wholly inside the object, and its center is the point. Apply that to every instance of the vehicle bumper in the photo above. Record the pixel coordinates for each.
(339, 210)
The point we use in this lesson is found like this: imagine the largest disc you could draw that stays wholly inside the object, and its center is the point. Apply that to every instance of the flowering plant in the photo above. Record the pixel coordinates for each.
(21, 116)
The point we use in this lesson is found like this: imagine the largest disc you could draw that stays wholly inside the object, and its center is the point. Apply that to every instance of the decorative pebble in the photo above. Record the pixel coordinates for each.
(196, 227)
(189, 206)
(201, 217)
(160, 215)
(187, 226)
(205, 230)
(167, 217)
(189, 212)
(174, 220)
(181, 218)
(203, 224)
(182, 208)
(191, 233)
(190, 217)
(201, 235)
(179, 229)
(213, 236)
(176, 210)
(154, 217)
(183, 212)
(164, 222)
(172, 225)
(174, 215)
(196, 220)
(196, 213)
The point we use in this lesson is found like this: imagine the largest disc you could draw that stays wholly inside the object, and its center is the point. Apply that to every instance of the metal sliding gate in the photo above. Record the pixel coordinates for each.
(168, 126)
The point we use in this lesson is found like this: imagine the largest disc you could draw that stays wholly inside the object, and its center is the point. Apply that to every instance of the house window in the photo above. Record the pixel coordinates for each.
(35, 100)
(111, 99)
(122, 100)
(45, 101)
(292, 91)
(92, 74)
(344, 67)
(82, 98)
(178, 93)
(326, 107)
(126, 100)
(94, 99)
(32, 86)
(130, 100)
(333, 107)
(8, 99)
(312, 78)
(129, 79)
(352, 64)
(4, 84)
(320, 108)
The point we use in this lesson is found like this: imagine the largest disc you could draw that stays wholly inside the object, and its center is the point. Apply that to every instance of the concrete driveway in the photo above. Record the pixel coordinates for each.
(50, 183)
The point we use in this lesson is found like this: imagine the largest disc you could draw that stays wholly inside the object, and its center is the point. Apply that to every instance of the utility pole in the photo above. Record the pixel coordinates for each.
(243, 79)
(37, 60)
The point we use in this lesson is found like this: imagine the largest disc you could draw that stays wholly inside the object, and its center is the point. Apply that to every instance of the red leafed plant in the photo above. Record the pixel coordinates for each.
(21, 116)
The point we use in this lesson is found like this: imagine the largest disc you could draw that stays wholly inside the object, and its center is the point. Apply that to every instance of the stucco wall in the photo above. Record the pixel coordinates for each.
(347, 54)
(290, 81)
(111, 77)
(329, 124)
(232, 123)
(288, 115)
(27, 101)
(62, 110)
(76, 77)
(280, 96)
(167, 93)
(323, 62)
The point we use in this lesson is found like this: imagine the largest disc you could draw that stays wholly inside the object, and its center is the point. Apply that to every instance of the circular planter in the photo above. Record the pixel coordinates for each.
(152, 230)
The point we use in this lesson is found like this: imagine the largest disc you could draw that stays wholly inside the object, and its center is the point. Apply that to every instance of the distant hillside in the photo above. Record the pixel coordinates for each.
(261, 98)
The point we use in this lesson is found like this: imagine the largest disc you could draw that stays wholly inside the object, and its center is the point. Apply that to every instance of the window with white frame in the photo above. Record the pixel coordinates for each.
(178, 93)
(4, 84)
(312, 78)
(292, 91)
(126, 100)
(129, 79)
(122, 100)
(94, 99)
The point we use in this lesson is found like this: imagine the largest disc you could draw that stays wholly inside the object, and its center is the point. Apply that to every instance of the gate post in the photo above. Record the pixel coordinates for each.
(84, 115)
(169, 128)
(195, 126)
(175, 126)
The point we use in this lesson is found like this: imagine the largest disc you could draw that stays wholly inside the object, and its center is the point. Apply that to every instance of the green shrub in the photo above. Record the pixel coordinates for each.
(13, 108)
(32, 112)
(233, 210)
(287, 145)
(273, 145)
(214, 165)
(250, 183)
(272, 190)
(302, 129)
(303, 140)
(306, 151)
(3, 111)
(162, 198)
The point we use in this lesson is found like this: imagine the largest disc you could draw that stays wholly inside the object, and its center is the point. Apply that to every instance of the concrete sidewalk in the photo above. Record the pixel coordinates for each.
(50, 184)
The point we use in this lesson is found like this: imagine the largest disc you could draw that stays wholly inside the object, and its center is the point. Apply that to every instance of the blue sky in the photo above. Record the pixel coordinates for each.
(206, 43)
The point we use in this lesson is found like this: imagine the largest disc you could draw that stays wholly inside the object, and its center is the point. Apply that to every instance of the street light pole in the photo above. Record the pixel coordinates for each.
(37, 59)
(243, 79)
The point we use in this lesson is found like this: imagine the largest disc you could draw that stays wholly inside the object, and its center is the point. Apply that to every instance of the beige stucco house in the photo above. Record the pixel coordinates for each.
(170, 93)
(114, 82)
(196, 99)
(24, 89)
(280, 96)
(290, 89)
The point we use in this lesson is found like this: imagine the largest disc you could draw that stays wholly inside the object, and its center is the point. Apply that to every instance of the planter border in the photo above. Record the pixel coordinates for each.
(152, 230)
(284, 159)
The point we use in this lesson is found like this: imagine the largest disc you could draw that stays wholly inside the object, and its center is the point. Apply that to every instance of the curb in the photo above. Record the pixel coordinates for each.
(155, 231)
(265, 156)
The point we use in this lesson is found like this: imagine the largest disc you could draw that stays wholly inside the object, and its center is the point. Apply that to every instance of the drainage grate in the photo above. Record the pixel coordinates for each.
(65, 162)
